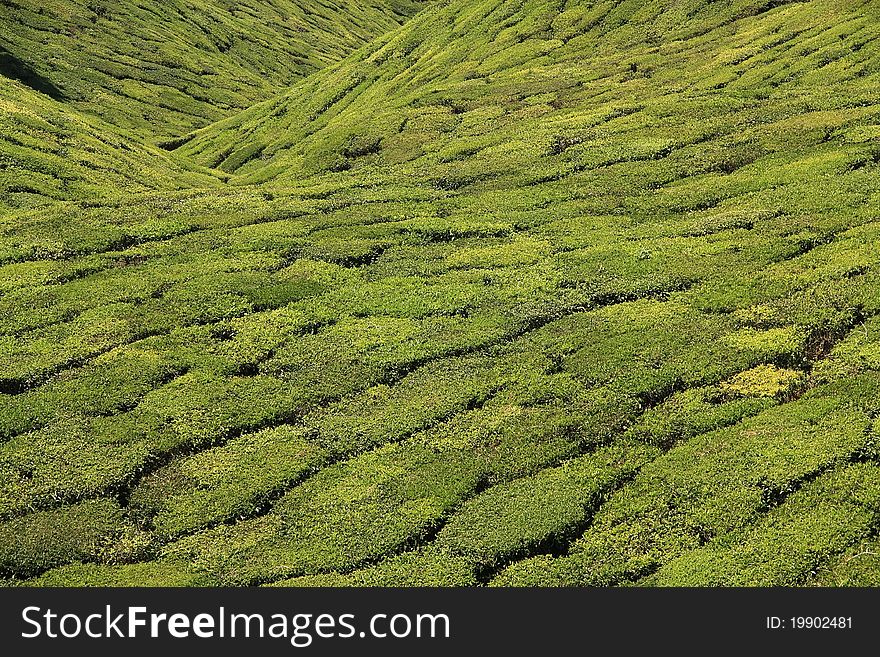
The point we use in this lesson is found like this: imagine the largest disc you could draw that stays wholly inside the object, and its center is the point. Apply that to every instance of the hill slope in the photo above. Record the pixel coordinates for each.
(524, 70)
(162, 71)
(522, 293)
(49, 152)
(90, 88)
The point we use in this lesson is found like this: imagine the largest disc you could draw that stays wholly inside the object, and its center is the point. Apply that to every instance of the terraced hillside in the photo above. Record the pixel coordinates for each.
(520, 293)
(94, 92)
(160, 70)
(50, 153)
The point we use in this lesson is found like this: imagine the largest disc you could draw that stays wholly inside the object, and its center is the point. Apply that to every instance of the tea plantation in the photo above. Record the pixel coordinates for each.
(470, 292)
(161, 70)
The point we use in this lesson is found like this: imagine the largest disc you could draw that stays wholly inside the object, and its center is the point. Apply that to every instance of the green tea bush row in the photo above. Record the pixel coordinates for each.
(792, 542)
(711, 485)
(91, 531)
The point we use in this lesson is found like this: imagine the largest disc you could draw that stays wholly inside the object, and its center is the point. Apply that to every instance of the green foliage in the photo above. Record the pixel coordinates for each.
(346, 514)
(164, 77)
(418, 568)
(230, 481)
(856, 566)
(128, 575)
(763, 381)
(715, 485)
(541, 512)
(497, 292)
(90, 531)
(814, 523)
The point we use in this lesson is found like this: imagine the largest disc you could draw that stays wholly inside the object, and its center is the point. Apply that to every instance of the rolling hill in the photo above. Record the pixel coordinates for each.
(51, 153)
(160, 71)
(516, 293)
(413, 95)
(95, 92)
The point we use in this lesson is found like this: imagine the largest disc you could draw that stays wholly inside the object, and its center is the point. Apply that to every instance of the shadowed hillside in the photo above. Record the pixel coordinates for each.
(49, 152)
(10, 67)
(160, 70)
(130, 78)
